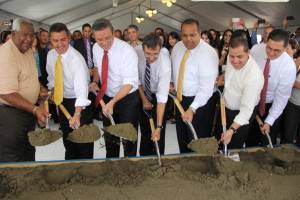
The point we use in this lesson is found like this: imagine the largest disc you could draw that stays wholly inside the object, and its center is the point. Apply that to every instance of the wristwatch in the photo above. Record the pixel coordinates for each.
(233, 129)
(159, 126)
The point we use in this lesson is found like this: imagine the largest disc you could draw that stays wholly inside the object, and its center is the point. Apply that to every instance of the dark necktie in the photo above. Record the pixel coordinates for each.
(263, 94)
(104, 76)
(147, 85)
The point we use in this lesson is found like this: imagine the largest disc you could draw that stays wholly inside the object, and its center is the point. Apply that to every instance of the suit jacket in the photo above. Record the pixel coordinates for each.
(43, 59)
(79, 45)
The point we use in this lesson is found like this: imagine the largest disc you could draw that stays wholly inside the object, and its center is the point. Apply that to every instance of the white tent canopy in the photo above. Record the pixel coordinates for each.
(216, 15)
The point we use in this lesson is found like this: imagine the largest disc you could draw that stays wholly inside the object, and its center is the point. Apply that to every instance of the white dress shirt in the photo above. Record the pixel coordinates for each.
(165, 50)
(122, 66)
(160, 73)
(75, 75)
(201, 71)
(281, 80)
(242, 89)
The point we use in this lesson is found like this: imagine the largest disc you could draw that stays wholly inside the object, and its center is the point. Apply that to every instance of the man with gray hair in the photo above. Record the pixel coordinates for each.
(19, 92)
(117, 65)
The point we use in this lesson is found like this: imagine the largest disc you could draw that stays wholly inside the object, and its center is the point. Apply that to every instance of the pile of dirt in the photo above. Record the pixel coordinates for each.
(259, 175)
(41, 137)
(124, 130)
(205, 146)
(85, 134)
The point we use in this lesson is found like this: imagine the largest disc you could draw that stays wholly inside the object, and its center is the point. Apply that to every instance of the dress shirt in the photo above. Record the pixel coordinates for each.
(165, 50)
(242, 89)
(122, 66)
(160, 71)
(75, 75)
(281, 80)
(201, 71)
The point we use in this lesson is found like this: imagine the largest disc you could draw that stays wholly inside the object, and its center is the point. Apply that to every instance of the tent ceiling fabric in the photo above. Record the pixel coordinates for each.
(210, 14)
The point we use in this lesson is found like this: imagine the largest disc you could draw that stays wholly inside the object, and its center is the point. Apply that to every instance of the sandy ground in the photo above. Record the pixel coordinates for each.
(265, 174)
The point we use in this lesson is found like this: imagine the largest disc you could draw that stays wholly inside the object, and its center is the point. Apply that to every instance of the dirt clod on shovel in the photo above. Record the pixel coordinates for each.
(124, 130)
(43, 137)
(207, 146)
(85, 134)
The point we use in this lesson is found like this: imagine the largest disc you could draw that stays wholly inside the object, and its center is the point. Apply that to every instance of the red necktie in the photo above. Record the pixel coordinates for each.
(263, 94)
(104, 74)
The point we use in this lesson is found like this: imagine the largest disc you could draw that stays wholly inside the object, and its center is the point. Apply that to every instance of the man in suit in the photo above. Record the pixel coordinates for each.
(85, 47)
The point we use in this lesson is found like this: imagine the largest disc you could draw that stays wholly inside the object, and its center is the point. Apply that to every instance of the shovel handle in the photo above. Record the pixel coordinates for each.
(109, 116)
(46, 106)
(65, 112)
(260, 123)
(151, 121)
(180, 108)
(223, 112)
(223, 120)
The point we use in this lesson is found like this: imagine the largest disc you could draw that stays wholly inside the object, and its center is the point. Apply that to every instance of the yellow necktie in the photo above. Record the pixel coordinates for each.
(181, 74)
(58, 82)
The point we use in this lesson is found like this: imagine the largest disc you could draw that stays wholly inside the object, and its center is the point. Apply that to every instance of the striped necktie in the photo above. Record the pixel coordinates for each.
(147, 85)
(88, 53)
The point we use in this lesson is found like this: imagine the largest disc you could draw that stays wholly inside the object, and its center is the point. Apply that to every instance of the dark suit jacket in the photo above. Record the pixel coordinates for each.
(43, 60)
(80, 46)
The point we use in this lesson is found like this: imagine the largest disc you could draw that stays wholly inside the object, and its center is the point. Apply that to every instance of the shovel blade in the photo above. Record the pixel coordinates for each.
(85, 134)
(42, 137)
(124, 130)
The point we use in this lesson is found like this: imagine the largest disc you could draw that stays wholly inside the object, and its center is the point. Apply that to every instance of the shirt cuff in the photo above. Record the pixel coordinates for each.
(195, 105)
(161, 98)
(270, 120)
(239, 120)
(129, 82)
(80, 102)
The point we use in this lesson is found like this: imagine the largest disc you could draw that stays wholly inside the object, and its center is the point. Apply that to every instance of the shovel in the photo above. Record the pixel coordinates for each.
(155, 142)
(207, 145)
(84, 134)
(260, 123)
(123, 130)
(223, 117)
(234, 156)
(42, 137)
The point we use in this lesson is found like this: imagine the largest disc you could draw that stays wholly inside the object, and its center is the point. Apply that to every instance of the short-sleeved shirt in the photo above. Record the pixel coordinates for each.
(18, 73)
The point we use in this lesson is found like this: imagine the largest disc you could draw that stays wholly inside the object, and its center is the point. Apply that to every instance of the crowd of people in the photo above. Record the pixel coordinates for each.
(101, 71)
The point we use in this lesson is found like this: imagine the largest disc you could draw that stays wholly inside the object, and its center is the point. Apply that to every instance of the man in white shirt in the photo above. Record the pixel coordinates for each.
(133, 36)
(116, 65)
(280, 73)
(243, 84)
(68, 76)
(154, 78)
(195, 69)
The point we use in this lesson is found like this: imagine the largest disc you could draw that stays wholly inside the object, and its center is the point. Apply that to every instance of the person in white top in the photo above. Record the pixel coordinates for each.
(154, 78)
(280, 74)
(243, 83)
(195, 69)
(117, 68)
(75, 88)
(133, 36)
